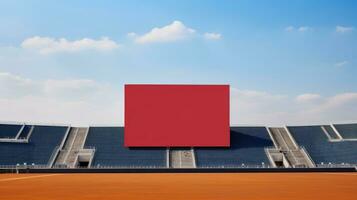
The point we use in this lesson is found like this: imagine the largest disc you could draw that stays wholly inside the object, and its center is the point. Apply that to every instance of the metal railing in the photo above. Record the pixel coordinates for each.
(53, 156)
(336, 165)
(308, 155)
(35, 166)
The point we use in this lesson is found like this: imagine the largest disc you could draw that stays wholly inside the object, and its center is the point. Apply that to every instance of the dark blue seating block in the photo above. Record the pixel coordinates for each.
(321, 149)
(347, 131)
(9, 130)
(247, 147)
(110, 150)
(42, 143)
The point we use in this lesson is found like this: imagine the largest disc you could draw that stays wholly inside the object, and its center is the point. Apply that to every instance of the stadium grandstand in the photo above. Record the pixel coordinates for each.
(25, 145)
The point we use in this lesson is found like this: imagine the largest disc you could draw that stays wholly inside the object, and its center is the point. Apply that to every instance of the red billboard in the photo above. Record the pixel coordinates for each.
(176, 116)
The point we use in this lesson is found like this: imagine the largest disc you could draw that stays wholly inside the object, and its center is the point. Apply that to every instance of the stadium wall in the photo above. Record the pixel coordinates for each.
(181, 170)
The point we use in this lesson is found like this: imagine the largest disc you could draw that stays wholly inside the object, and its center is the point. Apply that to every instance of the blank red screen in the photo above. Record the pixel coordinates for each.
(176, 115)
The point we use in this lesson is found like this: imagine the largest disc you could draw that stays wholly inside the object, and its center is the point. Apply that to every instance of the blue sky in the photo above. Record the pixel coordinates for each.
(290, 56)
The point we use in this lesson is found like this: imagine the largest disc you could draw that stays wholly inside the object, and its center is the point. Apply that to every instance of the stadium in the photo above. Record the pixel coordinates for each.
(136, 149)
(178, 100)
(175, 127)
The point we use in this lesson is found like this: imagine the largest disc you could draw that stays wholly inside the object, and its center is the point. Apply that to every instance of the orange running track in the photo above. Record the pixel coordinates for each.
(262, 186)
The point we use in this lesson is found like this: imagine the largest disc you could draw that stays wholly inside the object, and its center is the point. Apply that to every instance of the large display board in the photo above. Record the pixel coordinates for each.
(176, 115)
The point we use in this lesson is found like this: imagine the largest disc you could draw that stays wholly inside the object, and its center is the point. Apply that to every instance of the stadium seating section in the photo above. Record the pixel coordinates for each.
(38, 145)
(347, 131)
(321, 149)
(9, 130)
(38, 150)
(247, 148)
(110, 150)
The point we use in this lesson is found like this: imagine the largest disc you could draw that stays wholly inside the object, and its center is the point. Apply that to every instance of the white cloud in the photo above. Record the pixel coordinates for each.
(344, 29)
(212, 36)
(340, 100)
(304, 28)
(340, 107)
(254, 107)
(308, 97)
(84, 101)
(47, 45)
(341, 64)
(172, 32)
(299, 29)
(76, 101)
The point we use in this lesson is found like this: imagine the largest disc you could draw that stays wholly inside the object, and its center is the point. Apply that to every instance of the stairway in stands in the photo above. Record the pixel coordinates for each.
(73, 146)
(296, 156)
(182, 158)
